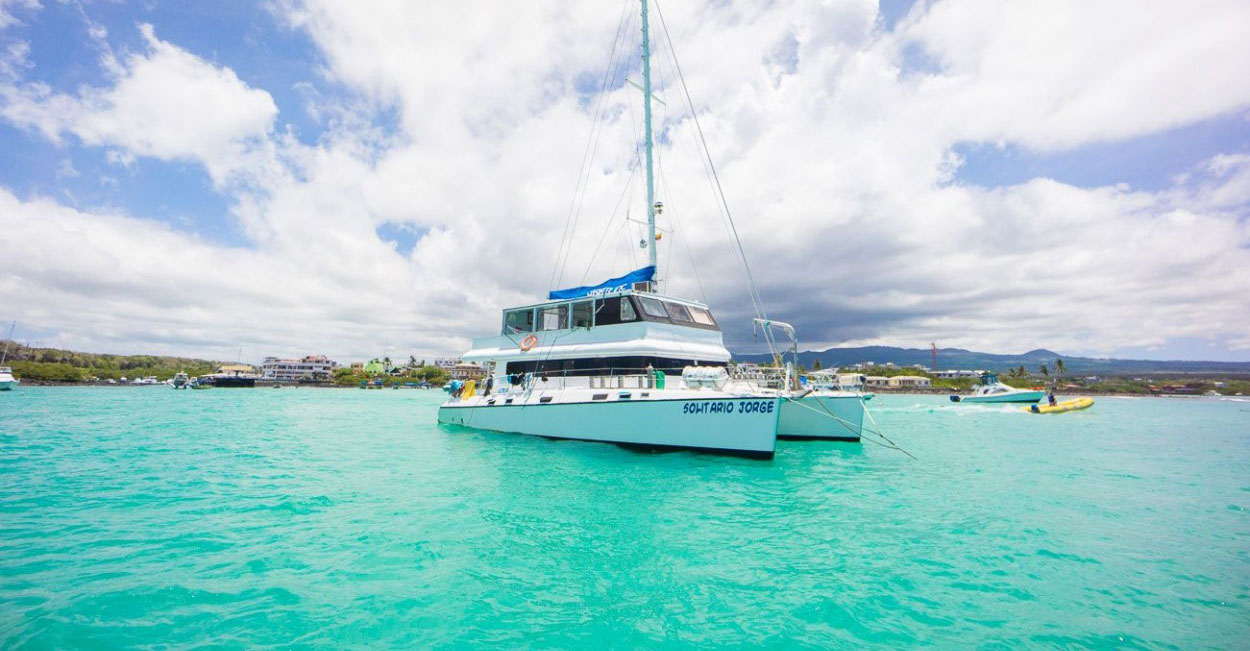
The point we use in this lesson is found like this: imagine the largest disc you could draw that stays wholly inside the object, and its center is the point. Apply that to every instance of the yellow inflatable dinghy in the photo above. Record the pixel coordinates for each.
(1074, 404)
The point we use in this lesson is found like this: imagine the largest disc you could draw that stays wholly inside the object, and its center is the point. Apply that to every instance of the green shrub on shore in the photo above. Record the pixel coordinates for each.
(349, 377)
(46, 372)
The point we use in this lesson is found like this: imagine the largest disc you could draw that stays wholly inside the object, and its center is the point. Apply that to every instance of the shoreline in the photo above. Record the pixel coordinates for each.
(1100, 394)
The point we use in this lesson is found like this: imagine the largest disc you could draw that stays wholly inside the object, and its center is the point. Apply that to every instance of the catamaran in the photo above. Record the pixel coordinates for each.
(621, 362)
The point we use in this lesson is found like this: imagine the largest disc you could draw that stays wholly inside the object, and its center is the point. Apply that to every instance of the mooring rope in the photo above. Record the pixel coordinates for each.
(875, 429)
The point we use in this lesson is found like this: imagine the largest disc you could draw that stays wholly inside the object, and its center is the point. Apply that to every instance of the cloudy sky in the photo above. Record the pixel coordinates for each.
(308, 176)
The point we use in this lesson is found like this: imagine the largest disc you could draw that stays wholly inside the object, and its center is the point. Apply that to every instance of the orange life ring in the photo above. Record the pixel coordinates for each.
(528, 343)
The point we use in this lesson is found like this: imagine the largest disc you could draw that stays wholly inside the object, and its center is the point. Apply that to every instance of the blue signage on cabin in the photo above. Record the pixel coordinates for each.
(627, 281)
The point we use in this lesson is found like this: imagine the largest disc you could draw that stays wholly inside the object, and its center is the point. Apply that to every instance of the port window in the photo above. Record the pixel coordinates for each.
(653, 307)
(679, 312)
(518, 321)
(553, 318)
(583, 314)
(701, 316)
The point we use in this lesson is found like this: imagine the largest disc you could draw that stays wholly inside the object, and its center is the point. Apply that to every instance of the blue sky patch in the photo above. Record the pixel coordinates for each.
(403, 237)
(1150, 162)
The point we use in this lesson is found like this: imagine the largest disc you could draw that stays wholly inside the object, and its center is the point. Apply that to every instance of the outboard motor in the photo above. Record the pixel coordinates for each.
(705, 377)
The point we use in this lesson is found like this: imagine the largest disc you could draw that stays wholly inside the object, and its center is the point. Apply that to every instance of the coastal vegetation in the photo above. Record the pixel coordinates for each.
(350, 377)
(56, 365)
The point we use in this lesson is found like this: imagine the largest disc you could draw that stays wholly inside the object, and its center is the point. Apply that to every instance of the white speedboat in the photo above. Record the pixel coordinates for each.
(992, 389)
(180, 380)
(619, 362)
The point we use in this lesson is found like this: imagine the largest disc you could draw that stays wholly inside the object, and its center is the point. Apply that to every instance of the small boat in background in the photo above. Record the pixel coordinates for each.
(992, 389)
(1075, 404)
(180, 380)
(7, 381)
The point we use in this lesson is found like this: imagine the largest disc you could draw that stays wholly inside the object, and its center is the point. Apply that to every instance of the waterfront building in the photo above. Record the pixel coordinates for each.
(909, 382)
(311, 368)
(876, 381)
(465, 371)
(953, 375)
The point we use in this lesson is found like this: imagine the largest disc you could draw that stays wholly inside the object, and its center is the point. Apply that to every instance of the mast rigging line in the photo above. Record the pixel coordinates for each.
(756, 300)
(629, 185)
(592, 145)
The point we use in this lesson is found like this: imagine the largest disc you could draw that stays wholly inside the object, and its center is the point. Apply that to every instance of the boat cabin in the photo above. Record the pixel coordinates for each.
(621, 333)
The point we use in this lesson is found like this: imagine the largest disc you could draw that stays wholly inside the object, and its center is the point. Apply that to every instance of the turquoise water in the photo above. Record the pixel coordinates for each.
(152, 517)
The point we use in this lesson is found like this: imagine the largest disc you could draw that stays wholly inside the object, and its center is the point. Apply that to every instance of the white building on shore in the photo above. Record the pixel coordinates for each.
(909, 382)
(953, 374)
(312, 368)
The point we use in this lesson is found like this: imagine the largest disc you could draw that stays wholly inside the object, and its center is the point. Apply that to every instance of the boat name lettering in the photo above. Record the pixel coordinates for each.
(729, 407)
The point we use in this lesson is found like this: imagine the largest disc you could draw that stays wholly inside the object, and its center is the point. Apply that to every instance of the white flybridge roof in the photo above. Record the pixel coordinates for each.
(618, 324)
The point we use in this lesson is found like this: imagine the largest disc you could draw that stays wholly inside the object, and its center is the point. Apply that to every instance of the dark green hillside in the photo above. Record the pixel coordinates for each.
(56, 365)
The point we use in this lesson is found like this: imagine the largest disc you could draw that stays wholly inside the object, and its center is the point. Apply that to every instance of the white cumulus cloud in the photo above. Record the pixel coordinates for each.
(164, 103)
(834, 138)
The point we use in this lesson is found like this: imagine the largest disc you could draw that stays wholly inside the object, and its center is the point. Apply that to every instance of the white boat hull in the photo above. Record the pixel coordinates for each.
(1019, 396)
(8, 385)
(686, 419)
(822, 416)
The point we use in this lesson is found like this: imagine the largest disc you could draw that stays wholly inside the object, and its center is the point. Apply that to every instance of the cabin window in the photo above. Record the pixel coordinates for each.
(701, 316)
(610, 311)
(679, 312)
(518, 321)
(553, 318)
(583, 314)
(652, 307)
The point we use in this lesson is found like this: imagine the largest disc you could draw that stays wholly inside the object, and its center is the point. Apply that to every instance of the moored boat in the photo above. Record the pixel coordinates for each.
(7, 381)
(623, 363)
(598, 368)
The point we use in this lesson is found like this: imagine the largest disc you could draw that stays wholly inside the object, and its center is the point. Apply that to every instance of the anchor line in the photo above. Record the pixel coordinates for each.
(824, 411)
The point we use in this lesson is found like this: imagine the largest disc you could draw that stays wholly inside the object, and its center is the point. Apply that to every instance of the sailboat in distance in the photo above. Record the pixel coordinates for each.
(621, 362)
(7, 381)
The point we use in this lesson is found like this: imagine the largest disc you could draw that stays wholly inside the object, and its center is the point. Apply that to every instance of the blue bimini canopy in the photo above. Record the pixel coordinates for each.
(627, 281)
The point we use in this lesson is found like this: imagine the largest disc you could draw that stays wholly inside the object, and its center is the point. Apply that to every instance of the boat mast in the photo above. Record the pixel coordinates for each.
(5, 355)
(646, 102)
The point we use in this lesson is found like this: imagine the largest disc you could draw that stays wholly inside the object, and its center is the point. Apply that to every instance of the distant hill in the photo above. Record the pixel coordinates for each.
(958, 358)
(57, 365)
